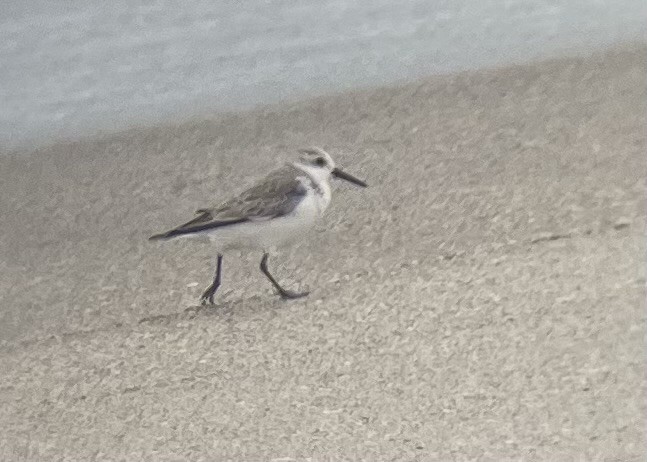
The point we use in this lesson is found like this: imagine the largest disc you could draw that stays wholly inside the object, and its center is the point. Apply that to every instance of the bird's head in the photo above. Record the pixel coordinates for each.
(320, 161)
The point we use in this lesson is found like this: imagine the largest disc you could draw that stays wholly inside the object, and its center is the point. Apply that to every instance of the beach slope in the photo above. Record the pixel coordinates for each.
(483, 298)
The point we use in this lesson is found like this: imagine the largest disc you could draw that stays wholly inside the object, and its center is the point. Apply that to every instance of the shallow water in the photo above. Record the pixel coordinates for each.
(72, 68)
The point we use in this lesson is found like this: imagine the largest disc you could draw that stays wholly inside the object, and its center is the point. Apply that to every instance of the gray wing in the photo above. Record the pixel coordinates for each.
(275, 195)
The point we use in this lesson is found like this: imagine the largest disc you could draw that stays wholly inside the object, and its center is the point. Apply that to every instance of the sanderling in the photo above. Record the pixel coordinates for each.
(272, 213)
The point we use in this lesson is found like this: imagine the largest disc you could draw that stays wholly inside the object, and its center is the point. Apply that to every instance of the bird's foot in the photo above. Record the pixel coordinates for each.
(290, 295)
(207, 296)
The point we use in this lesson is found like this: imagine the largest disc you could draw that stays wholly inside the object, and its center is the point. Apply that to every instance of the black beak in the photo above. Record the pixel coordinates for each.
(345, 176)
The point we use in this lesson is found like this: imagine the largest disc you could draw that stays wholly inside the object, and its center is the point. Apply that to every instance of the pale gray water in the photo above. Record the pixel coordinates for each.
(71, 68)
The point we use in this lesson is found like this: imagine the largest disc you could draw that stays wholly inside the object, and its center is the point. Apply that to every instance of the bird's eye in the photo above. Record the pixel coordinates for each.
(320, 161)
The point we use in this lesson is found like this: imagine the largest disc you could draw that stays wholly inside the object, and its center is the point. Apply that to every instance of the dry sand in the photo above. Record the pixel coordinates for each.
(483, 299)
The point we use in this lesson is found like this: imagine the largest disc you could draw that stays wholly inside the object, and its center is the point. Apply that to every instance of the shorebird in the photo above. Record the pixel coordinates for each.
(274, 212)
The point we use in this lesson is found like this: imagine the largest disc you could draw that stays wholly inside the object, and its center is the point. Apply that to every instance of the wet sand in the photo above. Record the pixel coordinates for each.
(483, 298)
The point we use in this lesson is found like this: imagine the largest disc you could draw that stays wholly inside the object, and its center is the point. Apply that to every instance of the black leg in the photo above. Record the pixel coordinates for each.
(211, 290)
(283, 292)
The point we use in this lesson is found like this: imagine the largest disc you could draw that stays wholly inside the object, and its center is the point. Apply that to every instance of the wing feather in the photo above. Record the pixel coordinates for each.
(274, 196)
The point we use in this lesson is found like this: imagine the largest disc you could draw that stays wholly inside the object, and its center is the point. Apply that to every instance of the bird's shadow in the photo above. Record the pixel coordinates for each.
(224, 310)
(227, 311)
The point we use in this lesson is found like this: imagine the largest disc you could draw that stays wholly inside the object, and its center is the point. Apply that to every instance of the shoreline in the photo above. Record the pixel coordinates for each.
(207, 116)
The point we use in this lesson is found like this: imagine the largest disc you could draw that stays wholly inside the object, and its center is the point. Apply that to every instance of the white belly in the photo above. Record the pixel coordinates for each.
(274, 232)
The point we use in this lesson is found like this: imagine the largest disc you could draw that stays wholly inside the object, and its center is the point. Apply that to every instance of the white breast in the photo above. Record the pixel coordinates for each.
(317, 181)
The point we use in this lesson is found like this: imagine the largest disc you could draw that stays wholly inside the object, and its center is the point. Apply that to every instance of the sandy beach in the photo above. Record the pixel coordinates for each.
(483, 299)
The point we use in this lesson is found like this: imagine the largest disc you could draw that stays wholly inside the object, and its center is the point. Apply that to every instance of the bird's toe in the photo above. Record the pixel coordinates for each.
(291, 295)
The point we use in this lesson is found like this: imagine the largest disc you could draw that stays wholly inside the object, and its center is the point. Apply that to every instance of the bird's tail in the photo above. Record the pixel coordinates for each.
(195, 227)
(162, 236)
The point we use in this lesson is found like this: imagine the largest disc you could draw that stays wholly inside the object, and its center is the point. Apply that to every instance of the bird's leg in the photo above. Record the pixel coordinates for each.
(211, 290)
(283, 292)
